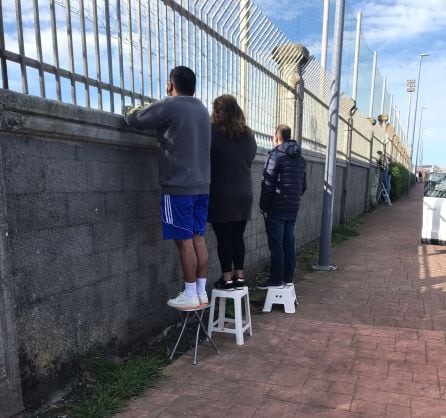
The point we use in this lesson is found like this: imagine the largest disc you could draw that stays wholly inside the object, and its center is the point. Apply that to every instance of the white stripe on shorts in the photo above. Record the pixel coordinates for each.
(168, 209)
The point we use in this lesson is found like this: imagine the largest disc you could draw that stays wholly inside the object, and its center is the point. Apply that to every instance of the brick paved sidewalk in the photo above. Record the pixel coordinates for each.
(367, 340)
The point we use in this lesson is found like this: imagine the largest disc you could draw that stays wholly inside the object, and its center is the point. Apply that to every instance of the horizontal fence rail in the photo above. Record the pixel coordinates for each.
(106, 54)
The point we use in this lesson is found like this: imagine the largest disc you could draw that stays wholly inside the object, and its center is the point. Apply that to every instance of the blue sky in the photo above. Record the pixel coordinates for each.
(399, 30)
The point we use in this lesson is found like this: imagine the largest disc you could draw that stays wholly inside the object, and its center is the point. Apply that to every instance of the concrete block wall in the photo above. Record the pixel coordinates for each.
(88, 264)
(356, 195)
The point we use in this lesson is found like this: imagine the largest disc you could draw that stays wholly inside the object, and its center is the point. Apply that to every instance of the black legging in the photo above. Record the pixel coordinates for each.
(230, 244)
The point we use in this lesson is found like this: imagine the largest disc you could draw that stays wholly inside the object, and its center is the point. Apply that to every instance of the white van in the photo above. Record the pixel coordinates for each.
(434, 210)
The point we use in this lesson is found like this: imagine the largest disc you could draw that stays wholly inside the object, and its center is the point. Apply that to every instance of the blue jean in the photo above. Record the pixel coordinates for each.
(280, 232)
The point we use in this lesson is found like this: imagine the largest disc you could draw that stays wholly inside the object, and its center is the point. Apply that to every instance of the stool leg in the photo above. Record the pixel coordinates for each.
(211, 317)
(221, 313)
(248, 313)
(268, 302)
(200, 320)
(187, 335)
(238, 322)
(295, 297)
(289, 306)
(197, 336)
(181, 334)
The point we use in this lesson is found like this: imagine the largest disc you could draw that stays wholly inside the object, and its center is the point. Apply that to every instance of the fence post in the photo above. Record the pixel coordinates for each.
(291, 59)
(346, 176)
(299, 96)
(372, 84)
(244, 33)
(368, 186)
(357, 49)
(383, 97)
(4, 67)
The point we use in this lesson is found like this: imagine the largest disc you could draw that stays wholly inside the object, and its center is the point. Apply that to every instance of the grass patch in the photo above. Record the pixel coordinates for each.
(308, 255)
(257, 296)
(107, 385)
(107, 381)
(342, 233)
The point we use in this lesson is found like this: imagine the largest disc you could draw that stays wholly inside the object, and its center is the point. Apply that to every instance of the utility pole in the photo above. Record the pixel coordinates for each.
(244, 29)
(415, 114)
(325, 24)
(357, 48)
(330, 159)
(420, 134)
(372, 84)
(411, 84)
(383, 97)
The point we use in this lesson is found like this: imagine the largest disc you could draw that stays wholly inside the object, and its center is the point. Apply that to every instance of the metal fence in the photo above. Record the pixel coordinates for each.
(106, 54)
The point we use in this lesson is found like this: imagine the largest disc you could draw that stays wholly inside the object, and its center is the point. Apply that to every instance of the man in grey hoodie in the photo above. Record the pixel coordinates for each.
(184, 135)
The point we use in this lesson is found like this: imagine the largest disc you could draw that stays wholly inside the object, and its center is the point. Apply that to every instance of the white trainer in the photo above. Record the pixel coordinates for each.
(182, 302)
(203, 298)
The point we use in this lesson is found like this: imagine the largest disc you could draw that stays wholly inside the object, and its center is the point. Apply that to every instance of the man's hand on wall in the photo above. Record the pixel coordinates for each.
(128, 110)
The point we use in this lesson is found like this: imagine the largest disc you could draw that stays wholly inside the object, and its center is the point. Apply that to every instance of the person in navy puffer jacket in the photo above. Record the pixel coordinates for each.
(283, 184)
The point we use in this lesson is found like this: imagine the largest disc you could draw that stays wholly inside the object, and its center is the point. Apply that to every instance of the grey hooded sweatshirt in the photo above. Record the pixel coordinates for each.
(184, 136)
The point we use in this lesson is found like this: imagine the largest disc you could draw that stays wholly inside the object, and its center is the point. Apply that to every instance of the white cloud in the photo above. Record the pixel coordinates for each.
(399, 30)
(400, 20)
(432, 95)
(286, 10)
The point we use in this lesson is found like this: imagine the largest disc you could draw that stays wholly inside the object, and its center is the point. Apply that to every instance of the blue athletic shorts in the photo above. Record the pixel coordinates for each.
(184, 216)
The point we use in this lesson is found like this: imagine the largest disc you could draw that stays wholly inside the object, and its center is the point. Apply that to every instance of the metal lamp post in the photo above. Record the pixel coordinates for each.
(416, 104)
(422, 149)
(420, 134)
(414, 122)
(411, 84)
(330, 160)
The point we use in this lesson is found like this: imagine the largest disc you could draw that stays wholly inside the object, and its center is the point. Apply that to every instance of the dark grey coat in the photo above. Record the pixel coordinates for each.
(231, 196)
(284, 179)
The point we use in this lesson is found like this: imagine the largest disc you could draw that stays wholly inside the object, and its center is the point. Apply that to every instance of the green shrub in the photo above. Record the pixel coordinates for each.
(399, 180)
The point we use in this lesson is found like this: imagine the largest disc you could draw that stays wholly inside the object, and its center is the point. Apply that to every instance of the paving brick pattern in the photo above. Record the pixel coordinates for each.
(367, 340)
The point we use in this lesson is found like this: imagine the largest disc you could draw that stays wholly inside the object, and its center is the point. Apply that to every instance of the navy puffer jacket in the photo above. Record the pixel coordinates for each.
(284, 179)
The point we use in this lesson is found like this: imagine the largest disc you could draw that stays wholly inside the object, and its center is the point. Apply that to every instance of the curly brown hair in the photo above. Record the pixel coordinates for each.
(228, 118)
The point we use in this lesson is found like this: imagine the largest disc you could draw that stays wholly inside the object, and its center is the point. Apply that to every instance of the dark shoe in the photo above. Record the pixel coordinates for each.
(224, 285)
(239, 283)
(269, 284)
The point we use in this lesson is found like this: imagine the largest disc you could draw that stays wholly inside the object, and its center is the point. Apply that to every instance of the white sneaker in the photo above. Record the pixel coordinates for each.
(203, 298)
(182, 302)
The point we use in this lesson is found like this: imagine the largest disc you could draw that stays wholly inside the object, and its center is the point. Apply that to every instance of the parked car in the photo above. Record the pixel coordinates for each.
(434, 210)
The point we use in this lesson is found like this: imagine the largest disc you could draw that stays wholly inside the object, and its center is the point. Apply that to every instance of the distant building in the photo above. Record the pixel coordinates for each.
(431, 169)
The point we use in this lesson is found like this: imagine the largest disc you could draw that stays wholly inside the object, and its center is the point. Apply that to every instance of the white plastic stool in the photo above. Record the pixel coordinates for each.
(285, 296)
(240, 324)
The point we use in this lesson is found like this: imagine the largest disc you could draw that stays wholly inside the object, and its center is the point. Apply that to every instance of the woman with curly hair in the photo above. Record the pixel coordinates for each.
(233, 149)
